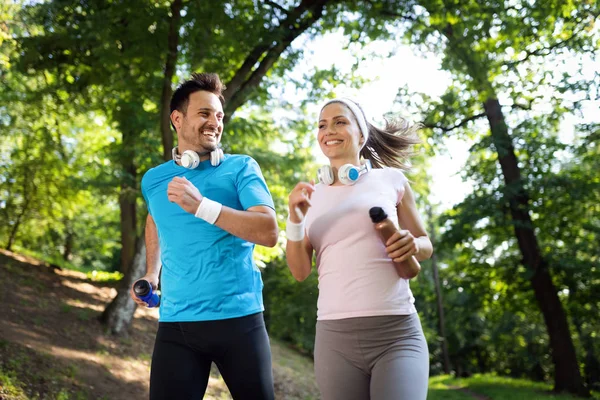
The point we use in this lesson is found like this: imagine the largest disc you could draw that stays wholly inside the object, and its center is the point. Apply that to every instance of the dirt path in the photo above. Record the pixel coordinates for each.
(51, 339)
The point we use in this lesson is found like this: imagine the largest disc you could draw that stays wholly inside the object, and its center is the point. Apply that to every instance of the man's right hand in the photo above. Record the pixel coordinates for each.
(299, 199)
(153, 279)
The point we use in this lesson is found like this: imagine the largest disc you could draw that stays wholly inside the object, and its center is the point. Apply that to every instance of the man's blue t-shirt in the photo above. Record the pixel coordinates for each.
(207, 273)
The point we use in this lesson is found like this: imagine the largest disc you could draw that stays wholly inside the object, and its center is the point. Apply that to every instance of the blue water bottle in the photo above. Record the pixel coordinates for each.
(143, 290)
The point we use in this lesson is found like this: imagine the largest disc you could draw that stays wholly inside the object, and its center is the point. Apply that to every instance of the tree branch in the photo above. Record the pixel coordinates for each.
(526, 107)
(542, 51)
(277, 6)
(459, 125)
(268, 52)
(393, 14)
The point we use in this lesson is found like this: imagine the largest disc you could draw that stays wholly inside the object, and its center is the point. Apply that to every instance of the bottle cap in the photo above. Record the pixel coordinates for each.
(142, 287)
(377, 214)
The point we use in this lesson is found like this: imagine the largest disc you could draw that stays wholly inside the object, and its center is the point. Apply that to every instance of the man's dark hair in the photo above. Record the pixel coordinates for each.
(199, 81)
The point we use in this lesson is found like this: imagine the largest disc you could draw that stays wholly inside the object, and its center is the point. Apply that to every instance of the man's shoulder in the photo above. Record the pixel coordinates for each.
(158, 171)
(238, 158)
(240, 161)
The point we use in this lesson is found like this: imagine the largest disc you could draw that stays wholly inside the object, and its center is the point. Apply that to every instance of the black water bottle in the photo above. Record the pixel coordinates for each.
(143, 290)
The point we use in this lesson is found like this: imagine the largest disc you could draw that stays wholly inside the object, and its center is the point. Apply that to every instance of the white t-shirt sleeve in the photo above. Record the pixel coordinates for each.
(397, 179)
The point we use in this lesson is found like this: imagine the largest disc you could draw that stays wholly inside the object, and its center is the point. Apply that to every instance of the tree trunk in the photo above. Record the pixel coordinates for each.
(117, 316)
(127, 204)
(15, 229)
(167, 90)
(438, 295)
(17, 225)
(68, 243)
(119, 313)
(567, 376)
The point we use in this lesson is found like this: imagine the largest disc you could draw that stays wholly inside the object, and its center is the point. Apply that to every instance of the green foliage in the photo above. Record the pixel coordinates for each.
(497, 50)
(104, 277)
(104, 85)
(11, 386)
(290, 306)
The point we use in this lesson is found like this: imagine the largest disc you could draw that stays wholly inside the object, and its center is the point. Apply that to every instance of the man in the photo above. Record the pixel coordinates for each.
(206, 211)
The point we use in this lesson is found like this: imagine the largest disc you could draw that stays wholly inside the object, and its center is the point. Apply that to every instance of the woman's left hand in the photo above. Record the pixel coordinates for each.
(401, 245)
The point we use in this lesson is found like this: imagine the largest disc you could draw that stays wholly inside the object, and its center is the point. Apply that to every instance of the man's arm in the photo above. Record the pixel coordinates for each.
(257, 224)
(152, 249)
(153, 264)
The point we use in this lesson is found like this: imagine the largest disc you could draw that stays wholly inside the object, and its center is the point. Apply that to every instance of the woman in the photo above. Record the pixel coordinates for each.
(369, 342)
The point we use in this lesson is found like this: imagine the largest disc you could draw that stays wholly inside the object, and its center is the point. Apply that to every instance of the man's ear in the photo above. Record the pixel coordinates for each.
(176, 119)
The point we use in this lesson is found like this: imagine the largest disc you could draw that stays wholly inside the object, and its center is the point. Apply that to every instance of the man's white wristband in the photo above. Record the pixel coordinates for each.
(293, 231)
(208, 210)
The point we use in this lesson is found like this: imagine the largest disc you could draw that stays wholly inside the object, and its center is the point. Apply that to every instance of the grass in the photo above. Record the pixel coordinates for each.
(441, 389)
(10, 386)
(294, 369)
(493, 387)
(19, 382)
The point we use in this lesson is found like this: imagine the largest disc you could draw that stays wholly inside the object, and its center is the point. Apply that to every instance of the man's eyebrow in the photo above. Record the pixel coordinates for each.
(211, 109)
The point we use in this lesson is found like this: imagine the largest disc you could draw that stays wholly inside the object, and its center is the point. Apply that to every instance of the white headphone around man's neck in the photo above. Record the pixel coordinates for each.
(190, 159)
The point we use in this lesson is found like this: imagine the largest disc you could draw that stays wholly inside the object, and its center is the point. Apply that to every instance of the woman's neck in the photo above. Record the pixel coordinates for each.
(338, 162)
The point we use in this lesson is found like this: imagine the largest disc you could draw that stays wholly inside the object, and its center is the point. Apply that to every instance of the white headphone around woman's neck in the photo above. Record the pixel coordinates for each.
(190, 159)
(348, 174)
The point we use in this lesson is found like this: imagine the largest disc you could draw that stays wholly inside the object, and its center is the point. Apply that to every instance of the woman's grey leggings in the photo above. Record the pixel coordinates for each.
(376, 358)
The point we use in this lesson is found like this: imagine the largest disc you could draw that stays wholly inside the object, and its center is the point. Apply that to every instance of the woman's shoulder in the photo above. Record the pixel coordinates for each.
(391, 173)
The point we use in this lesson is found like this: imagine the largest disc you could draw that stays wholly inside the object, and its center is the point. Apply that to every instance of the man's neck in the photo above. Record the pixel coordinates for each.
(204, 154)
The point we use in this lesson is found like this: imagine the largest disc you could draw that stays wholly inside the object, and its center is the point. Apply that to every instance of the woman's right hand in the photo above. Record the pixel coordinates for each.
(299, 200)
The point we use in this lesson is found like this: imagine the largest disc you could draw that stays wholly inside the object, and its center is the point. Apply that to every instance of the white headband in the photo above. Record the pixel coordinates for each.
(358, 114)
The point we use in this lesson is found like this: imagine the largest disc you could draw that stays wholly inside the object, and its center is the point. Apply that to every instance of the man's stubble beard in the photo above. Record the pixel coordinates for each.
(203, 145)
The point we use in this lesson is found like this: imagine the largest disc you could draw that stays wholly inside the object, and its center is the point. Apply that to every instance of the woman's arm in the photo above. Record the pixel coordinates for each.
(412, 240)
(299, 252)
(299, 258)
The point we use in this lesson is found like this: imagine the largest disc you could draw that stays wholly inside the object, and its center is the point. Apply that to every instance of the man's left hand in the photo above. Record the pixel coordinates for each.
(183, 192)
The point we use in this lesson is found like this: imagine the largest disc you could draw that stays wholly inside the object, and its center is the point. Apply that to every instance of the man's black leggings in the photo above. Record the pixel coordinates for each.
(184, 351)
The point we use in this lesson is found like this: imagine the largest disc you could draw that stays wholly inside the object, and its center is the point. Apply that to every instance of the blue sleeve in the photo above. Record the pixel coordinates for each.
(251, 186)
